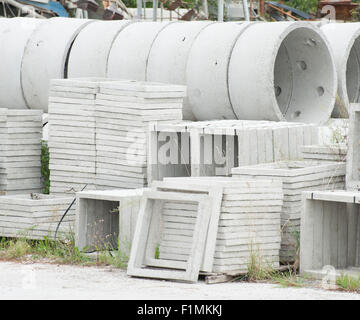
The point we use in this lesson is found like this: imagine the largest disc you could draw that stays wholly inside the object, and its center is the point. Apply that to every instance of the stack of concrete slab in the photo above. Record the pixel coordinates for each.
(72, 135)
(247, 225)
(124, 110)
(20, 156)
(297, 176)
(35, 216)
(336, 152)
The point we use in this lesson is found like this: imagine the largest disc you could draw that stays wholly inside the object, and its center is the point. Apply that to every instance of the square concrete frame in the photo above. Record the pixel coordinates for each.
(142, 261)
(330, 231)
(94, 221)
(216, 194)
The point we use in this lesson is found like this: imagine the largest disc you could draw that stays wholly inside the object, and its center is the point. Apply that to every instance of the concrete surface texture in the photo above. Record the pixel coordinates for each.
(90, 51)
(72, 136)
(344, 39)
(353, 155)
(11, 55)
(20, 134)
(333, 152)
(45, 281)
(207, 70)
(129, 54)
(170, 51)
(35, 217)
(45, 58)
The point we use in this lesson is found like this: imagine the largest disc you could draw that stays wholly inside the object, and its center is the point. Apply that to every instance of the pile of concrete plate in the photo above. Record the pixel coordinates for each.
(297, 176)
(247, 226)
(335, 152)
(124, 110)
(20, 157)
(72, 135)
(35, 216)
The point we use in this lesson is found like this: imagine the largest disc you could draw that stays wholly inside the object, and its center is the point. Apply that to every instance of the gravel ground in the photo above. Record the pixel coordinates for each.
(46, 281)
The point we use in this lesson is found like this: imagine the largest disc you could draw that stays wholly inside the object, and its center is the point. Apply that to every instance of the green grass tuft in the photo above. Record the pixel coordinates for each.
(349, 283)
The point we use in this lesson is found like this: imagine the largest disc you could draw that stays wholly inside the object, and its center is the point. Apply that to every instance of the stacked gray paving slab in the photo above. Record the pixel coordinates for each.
(20, 156)
(124, 110)
(35, 216)
(335, 152)
(297, 176)
(248, 227)
(72, 135)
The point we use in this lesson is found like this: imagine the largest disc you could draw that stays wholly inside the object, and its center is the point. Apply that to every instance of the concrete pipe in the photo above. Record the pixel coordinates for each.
(90, 51)
(14, 35)
(344, 39)
(283, 71)
(207, 70)
(46, 57)
(130, 51)
(169, 55)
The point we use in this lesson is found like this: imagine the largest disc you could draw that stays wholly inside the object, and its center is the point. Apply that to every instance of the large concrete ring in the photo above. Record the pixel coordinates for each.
(90, 51)
(130, 51)
(283, 71)
(14, 35)
(46, 56)
(169, 55)
(207, 70)
(344, 39)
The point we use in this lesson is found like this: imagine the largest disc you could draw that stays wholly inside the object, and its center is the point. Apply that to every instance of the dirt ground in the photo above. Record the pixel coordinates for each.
(46, 281)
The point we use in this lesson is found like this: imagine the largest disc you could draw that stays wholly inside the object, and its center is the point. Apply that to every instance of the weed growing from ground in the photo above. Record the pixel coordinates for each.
(348, 283)
(21, 249)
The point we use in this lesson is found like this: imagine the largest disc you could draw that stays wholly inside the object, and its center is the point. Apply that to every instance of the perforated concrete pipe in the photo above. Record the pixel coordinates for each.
(14, 35)
(344, 39)
(129, 53)
(207, 70)
(169, 55)
(46, 56)
(90, 51)
(282, 71)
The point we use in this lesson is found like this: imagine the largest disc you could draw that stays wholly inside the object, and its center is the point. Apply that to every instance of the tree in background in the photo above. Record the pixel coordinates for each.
(308, 6)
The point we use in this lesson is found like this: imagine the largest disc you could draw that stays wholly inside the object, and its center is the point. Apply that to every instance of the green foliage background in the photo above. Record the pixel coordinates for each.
(308, 6)
(45, 172)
